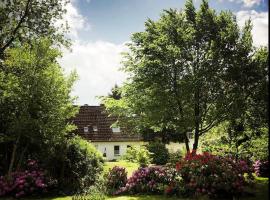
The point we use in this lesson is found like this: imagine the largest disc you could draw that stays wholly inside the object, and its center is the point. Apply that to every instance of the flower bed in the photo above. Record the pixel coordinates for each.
(207, 174)
(147, 180)
(116, 178)
(22, 183)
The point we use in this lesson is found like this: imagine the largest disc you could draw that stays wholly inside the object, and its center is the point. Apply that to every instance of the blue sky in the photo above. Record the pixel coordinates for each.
(99, 29)
(116, 20)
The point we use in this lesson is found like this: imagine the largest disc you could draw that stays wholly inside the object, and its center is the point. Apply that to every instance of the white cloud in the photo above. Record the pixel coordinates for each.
(74, 19)
(260, 25)
(246, 3)
(250, 3)
(97, 64)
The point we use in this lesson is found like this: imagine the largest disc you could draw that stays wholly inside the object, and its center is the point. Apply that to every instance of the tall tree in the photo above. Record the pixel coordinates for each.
(35, 103)
(178, 68)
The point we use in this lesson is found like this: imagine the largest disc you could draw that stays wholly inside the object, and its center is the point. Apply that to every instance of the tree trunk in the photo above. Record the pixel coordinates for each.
(187, 143)
(21, 157)
(196, 139)
(197, 120)
(13, 156)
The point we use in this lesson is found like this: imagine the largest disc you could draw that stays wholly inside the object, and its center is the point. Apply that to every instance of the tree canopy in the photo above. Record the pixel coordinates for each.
(35, 102)
(23, 21)
(185, 71)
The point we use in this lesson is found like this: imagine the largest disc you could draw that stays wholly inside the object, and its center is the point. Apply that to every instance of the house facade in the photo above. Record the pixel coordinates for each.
(94, 125)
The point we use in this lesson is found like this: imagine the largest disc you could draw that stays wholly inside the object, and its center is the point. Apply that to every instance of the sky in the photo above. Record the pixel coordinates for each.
(99, 30)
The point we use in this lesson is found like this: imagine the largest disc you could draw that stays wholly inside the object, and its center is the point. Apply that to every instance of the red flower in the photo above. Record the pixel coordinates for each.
(178, 166)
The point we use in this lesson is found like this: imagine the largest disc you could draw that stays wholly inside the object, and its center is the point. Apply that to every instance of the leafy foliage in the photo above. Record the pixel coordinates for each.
(188, 73)
(253, 147)
(160, 153)
(24, 21)
(35, 105)
(138, 155)
(80, 167)
(174, 157)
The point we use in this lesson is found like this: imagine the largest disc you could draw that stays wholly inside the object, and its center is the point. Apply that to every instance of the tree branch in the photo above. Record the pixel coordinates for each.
(14, 32)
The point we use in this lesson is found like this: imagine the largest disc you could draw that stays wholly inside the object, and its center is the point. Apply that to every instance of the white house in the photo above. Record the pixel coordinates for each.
(94, 124)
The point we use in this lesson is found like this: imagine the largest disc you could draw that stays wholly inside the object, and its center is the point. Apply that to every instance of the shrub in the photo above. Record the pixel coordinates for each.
(160, 153)
(143, 157)
(147, 180)
(131, 154)
(116, 178)
(215, 176)
(254, 146)
(174, 157)
(22, 183)
(261, 168)
(138, 155)
(79, 167)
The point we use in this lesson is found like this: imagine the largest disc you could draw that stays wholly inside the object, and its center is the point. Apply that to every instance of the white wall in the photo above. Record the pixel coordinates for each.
(109, 146)
(173, 147)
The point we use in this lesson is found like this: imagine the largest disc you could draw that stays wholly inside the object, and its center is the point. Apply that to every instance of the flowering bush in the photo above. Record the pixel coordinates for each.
(147, 180)
(207, 174)
(22, 183)
(261, 168)
(116, 178)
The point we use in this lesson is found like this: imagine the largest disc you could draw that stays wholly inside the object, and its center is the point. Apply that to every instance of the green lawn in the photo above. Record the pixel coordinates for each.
(130, 167)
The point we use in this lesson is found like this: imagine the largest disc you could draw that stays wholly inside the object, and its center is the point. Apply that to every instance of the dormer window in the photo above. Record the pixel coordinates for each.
(85, 129)
(95, 129)
(116, 130)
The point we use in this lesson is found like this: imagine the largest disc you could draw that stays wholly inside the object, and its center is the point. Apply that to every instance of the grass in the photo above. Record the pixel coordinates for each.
(130, 167)
(260, 189)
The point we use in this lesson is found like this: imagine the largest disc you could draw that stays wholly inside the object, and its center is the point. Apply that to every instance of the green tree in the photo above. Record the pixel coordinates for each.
(248, 94)
(22, 21)
(35, 103)
(115, 92)
(179, 69)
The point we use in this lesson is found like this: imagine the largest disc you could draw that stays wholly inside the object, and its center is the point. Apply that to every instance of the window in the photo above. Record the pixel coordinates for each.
(128, 146)
(105, 154)
(116, 150)
(95, 129)
(116, 130)
(85, 129)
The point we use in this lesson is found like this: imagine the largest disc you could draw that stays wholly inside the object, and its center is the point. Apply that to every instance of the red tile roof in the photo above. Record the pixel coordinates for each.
(96, 116)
